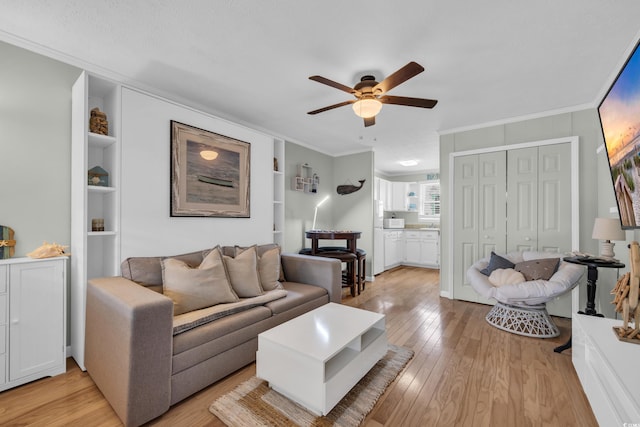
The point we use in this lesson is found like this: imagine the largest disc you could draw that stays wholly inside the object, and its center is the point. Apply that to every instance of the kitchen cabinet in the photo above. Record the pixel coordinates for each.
(393, 248)
(32, 319)
(399, 193)
(422, 248)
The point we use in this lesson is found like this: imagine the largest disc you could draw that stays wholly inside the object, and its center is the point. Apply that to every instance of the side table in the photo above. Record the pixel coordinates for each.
(592, 265)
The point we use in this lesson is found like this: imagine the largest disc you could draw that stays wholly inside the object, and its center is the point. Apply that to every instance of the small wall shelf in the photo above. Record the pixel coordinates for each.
(305, 180)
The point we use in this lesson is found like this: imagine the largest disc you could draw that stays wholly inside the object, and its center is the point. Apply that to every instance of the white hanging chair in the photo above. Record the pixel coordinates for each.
(521, 307)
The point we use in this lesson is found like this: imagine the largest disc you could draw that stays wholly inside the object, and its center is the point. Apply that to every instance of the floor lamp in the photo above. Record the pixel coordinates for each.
(315, 213)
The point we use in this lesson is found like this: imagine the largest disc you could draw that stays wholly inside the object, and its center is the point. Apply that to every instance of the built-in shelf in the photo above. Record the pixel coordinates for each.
(278, 191)
(95, 253)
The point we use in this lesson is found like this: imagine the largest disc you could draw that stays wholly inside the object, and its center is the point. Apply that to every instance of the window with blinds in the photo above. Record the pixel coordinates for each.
(429, 200)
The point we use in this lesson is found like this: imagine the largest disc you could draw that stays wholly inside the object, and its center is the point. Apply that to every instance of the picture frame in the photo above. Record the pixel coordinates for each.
(210, 174)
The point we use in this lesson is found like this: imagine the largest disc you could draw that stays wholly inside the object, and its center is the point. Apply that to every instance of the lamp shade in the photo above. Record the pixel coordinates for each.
(367, 107)
(608, 229)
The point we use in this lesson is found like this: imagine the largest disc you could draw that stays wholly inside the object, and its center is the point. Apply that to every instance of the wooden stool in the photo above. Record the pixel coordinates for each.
(361, 256)
(349, 279)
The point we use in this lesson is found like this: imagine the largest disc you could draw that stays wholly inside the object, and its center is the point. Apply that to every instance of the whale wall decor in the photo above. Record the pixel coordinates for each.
(349, 188)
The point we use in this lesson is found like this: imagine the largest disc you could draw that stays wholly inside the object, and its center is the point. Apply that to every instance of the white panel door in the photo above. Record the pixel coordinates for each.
(522, 206)
(554, 210)
(36, 317)
(465, 232)
(554, 198)
(492, 187)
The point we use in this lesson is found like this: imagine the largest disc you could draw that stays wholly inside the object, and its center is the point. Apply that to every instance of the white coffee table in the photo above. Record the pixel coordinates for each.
(316, 358)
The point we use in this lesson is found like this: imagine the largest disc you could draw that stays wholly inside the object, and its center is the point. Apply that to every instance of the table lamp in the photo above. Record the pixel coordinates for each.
(607, 229)
(315, 213)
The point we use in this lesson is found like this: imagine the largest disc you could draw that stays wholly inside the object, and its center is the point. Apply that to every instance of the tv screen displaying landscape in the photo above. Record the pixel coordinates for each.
(620, 120)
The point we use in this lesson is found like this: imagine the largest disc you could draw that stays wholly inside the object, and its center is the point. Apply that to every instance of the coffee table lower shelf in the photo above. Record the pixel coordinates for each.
(344, 344)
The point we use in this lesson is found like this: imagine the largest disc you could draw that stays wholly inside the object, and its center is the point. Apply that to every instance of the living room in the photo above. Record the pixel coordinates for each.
(37, 97)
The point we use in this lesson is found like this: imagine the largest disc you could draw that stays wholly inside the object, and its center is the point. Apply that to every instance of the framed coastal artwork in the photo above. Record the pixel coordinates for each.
(209, 173)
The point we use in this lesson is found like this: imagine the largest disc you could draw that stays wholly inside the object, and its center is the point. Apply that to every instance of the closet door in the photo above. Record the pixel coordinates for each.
(522, 206)
(479, 215)
(554, 198)
(539, 199)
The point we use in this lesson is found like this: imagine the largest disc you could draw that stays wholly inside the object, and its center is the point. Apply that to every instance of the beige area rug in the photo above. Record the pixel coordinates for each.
(253, 403)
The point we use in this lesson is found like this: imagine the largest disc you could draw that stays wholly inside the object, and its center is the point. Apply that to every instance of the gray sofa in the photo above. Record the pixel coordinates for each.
(143, 362)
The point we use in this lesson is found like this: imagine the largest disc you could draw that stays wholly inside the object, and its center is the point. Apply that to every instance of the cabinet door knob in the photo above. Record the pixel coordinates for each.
(527, 238)
(15, 321)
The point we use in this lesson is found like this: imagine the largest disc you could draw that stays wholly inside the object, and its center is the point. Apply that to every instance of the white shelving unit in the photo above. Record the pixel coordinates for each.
(95, 253)
(305, 180)
(278, 192)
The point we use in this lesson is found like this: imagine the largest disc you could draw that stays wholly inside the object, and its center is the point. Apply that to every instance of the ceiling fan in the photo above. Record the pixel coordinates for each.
(370, 95)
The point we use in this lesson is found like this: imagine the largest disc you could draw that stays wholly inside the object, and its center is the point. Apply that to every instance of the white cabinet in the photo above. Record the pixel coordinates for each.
(32, 319)
(422, 248)
(384, 193)
(399, 193)
(95, 253)
(607, 369)
(393, 248)
(278, 192)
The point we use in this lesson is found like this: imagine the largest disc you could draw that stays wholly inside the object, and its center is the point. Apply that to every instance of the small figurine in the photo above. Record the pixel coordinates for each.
(98, 122)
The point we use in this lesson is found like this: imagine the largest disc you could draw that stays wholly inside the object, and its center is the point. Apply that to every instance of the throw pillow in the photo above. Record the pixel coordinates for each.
(538, 269)
(495, 262)
(261, 250)
(243, 273)
(505, 276)
(268, 267)
(194, 288)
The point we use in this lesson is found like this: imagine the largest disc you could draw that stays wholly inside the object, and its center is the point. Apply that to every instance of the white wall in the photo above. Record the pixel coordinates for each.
(35, 147)
(147, 228)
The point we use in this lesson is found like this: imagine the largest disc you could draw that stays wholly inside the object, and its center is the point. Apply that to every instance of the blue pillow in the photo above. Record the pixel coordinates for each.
(496, 262)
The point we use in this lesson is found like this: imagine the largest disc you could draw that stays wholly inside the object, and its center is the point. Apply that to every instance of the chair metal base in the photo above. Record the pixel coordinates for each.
(533, 321)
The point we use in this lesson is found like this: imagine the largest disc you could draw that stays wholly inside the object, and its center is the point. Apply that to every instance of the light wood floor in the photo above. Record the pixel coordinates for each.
(464, 372)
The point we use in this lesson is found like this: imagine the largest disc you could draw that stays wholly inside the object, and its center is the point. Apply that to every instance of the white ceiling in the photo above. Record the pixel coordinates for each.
(249, 61)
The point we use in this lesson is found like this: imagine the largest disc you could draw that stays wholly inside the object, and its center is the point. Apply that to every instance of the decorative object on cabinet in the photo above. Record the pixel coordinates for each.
(275, 164)
(627, 296)
(97, 224)
(48, 250)
(349, 188)
(98, 122)
(210, 173)
(7, 242)
(98, 176)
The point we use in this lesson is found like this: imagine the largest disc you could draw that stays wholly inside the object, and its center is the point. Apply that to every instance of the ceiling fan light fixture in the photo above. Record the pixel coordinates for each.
(367, 107)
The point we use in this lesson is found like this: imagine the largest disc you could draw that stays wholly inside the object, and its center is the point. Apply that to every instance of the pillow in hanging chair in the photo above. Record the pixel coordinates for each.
(505, 276)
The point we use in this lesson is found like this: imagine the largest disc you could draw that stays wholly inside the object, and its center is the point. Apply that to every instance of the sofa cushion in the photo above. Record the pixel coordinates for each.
(193, 319)
(243, 273)
(192, 288)
(204, 342)
(297, 294)
(147, 271)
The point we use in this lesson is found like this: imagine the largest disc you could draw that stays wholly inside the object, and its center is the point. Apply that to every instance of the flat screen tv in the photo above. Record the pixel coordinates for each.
(619, 114)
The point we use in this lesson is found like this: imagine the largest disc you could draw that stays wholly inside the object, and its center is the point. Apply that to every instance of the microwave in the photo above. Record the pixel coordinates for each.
(393, 223)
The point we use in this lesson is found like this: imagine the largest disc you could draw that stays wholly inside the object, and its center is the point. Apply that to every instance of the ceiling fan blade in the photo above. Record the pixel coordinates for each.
(331, 83)
(331, 107)
(411, 102)
(370, 121)
(412, 69)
